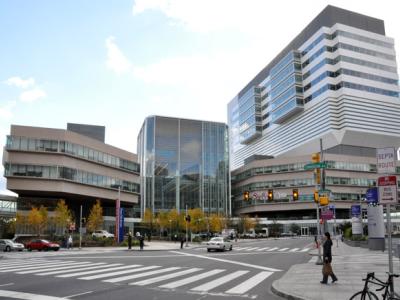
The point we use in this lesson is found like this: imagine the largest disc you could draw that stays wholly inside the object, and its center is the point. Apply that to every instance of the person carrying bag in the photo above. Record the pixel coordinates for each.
(327, 255)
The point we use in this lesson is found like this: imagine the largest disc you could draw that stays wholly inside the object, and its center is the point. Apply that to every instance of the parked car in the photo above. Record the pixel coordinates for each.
(42, 245)
(102, 233)
(9, 245)
(219, 243)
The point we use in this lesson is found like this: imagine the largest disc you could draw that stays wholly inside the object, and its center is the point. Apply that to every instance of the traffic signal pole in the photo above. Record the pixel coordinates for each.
(319, 259)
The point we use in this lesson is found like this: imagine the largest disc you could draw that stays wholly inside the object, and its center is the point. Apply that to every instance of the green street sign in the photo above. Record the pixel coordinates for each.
(324, 192)
(319, 165)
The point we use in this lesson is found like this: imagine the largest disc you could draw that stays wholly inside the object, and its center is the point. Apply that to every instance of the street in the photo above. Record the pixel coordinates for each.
(245, 272)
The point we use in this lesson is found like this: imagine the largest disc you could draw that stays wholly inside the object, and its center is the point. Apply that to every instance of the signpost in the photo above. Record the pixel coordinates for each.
(355, 210)
(372, 195)
(386, 164)
(326, 213)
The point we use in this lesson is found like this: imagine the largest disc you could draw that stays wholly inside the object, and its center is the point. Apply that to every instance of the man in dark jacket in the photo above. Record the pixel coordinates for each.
(130, 240)
(327, 256)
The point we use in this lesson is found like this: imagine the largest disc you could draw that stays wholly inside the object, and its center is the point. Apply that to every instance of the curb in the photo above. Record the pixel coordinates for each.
(284, 295)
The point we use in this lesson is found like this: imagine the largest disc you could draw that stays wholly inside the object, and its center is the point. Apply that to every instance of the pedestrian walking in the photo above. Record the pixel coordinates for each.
(182, 241)
(130, 240)
(141, 242)
(316, 241)
(327, 255)
(69, 243)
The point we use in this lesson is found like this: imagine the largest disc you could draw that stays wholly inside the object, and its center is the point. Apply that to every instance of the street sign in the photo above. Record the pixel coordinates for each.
(355, 210)
(387, 189)
(324, 192)
(386, 163)
(372, 195)
(318, 165)
(326, 213)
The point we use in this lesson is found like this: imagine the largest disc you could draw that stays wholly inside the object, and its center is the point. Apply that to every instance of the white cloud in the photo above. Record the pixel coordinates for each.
(6, 110)
(19, 82)
(116, 60)
(32, 95)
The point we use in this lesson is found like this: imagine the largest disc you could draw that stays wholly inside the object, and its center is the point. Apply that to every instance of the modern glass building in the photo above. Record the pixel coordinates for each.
(337, 81)
(184, 163)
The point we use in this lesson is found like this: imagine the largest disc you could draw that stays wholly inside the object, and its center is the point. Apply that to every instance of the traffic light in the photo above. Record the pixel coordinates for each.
(315, 157)
(323, 200)
(187, 218)
(270, 195)
(295, 194)
(83, 222)
(316, 196)
(246, 196)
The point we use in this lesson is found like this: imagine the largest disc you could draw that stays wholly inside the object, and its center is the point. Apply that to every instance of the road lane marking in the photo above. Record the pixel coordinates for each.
(76, 295)
(249, 284)
(16, 265)
(263, 249)
(273, 249)
(294, 249)
(304, 250)
(19, 262)
(118, 273)
(118, 279)
(219, 281)
(26, 296)
(188, 280)
(252, 249)
(35, 266)
(229, 261)
(69, 266)
(104, 269)
(165, 277)
(93, 266)
(7, 284)
(283, 249)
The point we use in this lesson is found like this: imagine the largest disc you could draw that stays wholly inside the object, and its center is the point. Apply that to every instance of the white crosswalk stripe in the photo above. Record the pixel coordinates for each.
(113, 274)
(294, 249)
(129, 277)
(118, 272)
(254, 248)
(165, 277)
(188, 280)
(263, 249)
(273, 249)
(249, 284)
(92, 266)
(219, 281)
(45, 268)
(104, 269)
(23, 268)
(20, 262)
(283, 249)
(305, 249)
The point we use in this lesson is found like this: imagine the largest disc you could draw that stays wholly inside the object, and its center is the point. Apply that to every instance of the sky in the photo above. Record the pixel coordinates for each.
(114, 63)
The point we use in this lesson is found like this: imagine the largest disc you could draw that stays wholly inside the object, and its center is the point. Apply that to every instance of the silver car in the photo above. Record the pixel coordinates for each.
(219, 243)
(9, 245)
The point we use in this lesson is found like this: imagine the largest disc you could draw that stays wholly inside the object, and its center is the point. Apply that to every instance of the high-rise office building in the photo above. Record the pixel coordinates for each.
(336, 81)
(184, 163)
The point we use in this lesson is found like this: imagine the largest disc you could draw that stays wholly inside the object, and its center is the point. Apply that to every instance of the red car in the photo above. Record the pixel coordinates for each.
(42, 245)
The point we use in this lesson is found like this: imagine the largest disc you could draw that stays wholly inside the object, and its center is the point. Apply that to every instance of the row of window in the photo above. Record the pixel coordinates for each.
(284, 85)
(291, 68)
(295, 167)
(347, 47)
(293, 55)
(290, 93)
(361, 182)
(350, 73)
(60, 172)
(286, 108)
(30, 144)
(353, 36)
(350, 85)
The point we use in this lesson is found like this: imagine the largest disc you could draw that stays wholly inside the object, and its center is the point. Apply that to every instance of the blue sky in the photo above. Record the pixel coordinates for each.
(114, 63)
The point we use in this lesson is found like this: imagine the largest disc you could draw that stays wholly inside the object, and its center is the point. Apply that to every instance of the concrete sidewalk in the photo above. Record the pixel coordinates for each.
(350, 264)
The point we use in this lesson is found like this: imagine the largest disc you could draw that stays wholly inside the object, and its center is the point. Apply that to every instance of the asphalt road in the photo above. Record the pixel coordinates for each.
(246, 272)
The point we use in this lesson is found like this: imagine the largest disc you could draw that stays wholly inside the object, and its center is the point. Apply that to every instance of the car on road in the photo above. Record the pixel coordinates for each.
(219, 243)
(40, 245)
(9, 245)
(102, 234)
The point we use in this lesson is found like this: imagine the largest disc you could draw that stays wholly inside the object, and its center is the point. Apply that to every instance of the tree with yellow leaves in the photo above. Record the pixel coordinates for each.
(198, 221)
(62, 215)
(38, 218)
(95, 219)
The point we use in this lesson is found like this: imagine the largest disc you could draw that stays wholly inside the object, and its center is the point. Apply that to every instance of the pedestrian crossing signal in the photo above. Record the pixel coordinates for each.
(316, 197)
(246, 196)
(270, 195)
(295, 194)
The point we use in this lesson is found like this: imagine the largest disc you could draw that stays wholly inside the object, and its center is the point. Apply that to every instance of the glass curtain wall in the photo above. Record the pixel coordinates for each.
(184, 162)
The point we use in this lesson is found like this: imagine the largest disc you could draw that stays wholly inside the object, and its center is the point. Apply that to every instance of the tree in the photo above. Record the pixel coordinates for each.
(295, 228)
(149, 220)
(37, 218)
(217, 223)
(163, 221)
(197, 222)
(62, 215)
(7, 227)
(95, 219)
